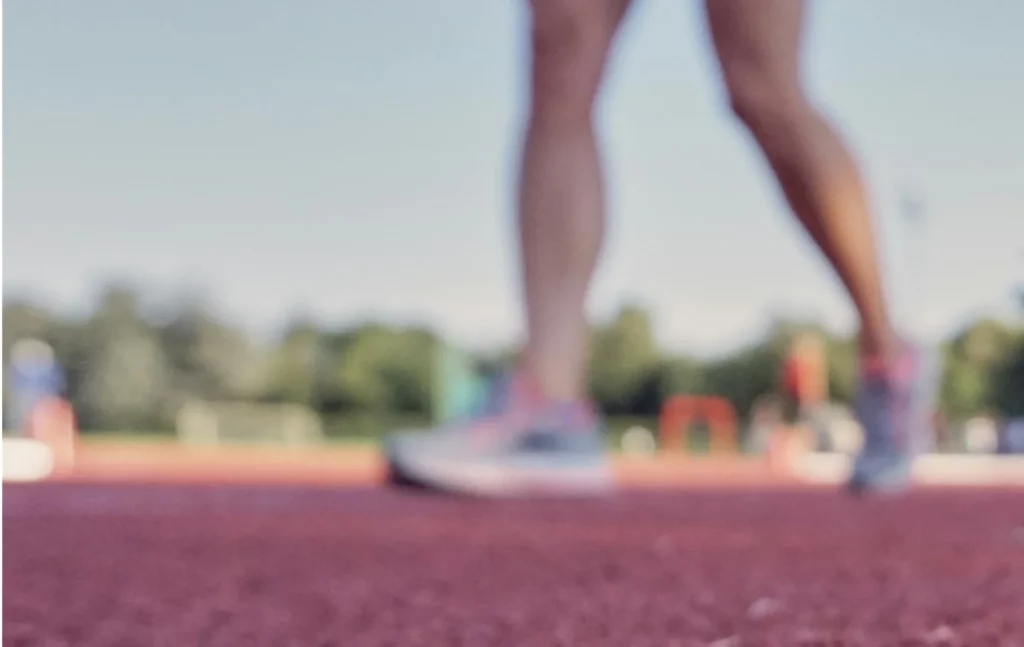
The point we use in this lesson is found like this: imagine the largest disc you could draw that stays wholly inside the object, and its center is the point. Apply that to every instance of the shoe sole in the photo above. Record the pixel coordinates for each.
(499, 481)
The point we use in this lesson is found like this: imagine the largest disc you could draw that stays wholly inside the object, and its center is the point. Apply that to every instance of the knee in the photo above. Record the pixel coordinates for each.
(570, 41)
(764, 104)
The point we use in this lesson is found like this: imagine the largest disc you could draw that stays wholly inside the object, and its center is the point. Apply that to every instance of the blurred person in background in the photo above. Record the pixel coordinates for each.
(538, 431)
(35, 376)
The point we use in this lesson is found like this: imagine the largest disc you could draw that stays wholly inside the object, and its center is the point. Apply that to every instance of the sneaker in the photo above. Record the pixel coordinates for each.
(895, 407)
(521, 443)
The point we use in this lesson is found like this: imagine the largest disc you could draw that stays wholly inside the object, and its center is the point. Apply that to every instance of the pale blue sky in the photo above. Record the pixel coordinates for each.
(349, 159)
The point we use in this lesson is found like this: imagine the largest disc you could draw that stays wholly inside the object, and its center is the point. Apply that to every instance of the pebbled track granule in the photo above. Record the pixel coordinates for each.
(175, 566)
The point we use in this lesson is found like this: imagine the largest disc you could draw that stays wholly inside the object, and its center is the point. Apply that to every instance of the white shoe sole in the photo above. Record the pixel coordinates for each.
(498, 480)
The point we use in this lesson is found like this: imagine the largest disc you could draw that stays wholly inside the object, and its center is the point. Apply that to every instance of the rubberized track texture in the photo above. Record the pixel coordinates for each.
(195, 566)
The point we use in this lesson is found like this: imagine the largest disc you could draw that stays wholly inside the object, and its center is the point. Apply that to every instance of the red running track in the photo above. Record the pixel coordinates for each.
(194, 566)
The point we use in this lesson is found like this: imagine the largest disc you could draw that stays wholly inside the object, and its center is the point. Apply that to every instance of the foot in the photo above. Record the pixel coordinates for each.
(894, 405)
(522, 444)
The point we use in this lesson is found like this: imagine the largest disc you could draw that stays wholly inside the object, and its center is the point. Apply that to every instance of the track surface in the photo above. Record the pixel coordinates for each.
(123, 565)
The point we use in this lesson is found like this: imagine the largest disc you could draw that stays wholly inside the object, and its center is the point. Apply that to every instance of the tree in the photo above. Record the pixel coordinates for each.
(125, 374)
(972, 361)
(126, 368)
(1008, 383)
(842, 368)
(125, 384)
(624, 358)
(209, 359)
(23, 320)
(681, 375)
(377, 368)
(295, 365)
(964, 389)
(746, 376)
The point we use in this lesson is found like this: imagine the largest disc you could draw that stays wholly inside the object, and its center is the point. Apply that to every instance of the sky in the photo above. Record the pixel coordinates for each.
(350, 160)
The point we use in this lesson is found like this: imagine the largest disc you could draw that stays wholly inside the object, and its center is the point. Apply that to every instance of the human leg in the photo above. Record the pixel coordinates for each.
(538, 432)
(758, 47)
(561, 193)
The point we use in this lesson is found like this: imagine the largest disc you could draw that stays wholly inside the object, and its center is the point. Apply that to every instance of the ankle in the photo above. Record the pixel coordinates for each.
(898, 363)
(543, 387)
(879, 349)
(526, 396)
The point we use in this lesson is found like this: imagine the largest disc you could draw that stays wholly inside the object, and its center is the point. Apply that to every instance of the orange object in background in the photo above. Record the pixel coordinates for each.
(52, 422)
(805, 374)
(680, 411)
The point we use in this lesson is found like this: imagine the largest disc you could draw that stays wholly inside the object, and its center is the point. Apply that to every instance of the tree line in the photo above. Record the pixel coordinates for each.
(129, 367)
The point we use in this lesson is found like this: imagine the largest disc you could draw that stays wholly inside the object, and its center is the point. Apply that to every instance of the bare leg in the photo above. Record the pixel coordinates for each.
(758, 46)
(511, 447)
(561, 194)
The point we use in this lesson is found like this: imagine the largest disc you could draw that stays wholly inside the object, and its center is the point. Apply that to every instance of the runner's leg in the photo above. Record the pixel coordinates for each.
(561, 193)
(537, 432)
(758, 46)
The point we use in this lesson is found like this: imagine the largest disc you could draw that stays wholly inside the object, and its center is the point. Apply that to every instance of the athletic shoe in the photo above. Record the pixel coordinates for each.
(522, 443)
(895, 407)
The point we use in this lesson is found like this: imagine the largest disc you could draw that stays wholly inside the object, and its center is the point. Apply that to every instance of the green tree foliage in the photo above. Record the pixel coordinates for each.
(379, 369)
(207, 357)
(128, 368)
(842, 368)
(979, 369)
(1008, 383)
(682, 375)
(125, 383)
(295, 368)
(24, 320)
(124, 376)
(624, 358)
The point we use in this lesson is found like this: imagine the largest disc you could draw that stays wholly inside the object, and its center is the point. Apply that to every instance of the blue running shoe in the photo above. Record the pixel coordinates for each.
(521, 444)
(895, 406)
